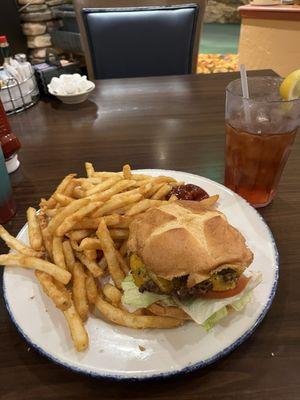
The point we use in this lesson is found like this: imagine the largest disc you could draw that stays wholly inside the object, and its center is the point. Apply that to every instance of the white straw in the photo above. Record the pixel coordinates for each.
(245, 90)
(244, 80)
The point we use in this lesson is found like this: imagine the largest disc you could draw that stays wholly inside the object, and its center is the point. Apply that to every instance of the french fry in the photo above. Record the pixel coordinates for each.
(87, 223)
(77, 329)
(57, 293)
(210, 201)
(72, 219)
(90, 244)
(67, 211)
(164, 179)
(15, 244)
(124, 318)
(34, 230)
(68, 254)
(92, 266)
(154, 189)
(47, 237)
(52, 212)
(101, 187)
(138, 183)
(117, 188)
(60, 189)
(116, 203)
(127, 172)
(43, 203)
(122, 262)
(103, 264)
(79, 234)
(141, 177)
(91, 288)
(89, 169)
(57, 252)
(123, 248)
(170, 311)
(115, 219)
(90, 254)
(145, 189)
(175, 184)
(112, 220)
(119, 234)
(142, 206)
(78, 193)
(90, 180)
(112, 294)
(110, 255)
(68, 191)
(57, 272)
(74, 245)
(172, 198)
(79, 291)
(62, 199)
(86, 185)
(162, 192)
(42, 220)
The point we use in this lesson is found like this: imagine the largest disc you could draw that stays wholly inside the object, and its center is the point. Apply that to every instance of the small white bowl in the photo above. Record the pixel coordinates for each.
(73, 98)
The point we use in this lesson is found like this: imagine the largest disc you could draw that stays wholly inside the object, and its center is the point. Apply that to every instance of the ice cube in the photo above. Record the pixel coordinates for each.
(262, 118)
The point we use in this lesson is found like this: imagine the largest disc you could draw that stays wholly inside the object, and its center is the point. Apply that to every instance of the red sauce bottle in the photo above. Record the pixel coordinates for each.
(9, 142)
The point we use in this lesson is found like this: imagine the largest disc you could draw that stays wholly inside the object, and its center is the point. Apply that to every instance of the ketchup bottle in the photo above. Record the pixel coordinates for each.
(7, 204)
(9, 142)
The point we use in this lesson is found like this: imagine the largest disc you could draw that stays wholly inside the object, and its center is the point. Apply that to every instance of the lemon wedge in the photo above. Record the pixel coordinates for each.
(290, 87)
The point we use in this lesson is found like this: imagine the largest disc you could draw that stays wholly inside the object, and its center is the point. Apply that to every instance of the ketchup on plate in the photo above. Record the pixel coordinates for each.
(188, 192)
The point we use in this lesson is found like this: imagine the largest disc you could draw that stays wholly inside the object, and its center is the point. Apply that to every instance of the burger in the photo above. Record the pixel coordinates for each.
(185, 255)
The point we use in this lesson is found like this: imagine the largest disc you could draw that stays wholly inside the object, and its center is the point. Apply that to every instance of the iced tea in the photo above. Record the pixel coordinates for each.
(260, 131)
(254, 163)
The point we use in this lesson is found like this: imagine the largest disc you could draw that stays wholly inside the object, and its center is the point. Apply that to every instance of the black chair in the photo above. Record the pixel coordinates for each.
(148, 40)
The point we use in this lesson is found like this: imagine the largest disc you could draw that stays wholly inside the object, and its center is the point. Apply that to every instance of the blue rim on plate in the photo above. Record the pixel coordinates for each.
(189, 368)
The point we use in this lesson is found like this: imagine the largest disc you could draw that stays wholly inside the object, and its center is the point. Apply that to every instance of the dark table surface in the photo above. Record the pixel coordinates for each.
(172, 123)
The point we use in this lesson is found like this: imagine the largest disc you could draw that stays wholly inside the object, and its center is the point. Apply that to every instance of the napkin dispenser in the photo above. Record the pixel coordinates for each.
(53, 67)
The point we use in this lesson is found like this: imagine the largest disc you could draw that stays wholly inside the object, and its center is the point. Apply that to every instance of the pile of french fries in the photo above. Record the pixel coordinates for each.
(79, 236)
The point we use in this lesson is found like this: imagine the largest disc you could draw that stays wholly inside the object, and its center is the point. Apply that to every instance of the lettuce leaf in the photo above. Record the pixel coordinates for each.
(215, 318)
(238, 305)
(134, 299)
(201, 309)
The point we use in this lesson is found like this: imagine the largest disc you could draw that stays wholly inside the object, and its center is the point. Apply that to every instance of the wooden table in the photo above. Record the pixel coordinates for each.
(174, 123)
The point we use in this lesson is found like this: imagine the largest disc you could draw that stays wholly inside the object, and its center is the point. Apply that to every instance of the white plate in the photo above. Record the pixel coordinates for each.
(114, 351)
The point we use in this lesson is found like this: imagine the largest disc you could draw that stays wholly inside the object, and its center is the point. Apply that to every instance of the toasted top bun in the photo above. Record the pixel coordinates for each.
(183, 238)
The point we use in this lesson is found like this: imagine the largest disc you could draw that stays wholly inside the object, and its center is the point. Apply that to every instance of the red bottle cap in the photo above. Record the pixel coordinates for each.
(3, 39)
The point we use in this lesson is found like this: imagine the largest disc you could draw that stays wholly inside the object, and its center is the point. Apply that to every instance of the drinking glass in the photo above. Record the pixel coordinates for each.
(260, 132)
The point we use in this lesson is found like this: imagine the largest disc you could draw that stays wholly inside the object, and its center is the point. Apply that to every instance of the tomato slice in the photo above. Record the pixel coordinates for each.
(240, 286)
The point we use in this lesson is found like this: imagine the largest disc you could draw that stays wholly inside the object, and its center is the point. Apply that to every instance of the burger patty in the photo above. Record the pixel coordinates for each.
(227, 275)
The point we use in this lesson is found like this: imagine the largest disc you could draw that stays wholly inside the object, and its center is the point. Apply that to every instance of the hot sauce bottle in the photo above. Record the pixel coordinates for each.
(8, 161)
(9, 142)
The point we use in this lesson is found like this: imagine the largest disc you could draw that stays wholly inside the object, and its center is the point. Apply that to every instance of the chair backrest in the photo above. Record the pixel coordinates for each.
(131, 38)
